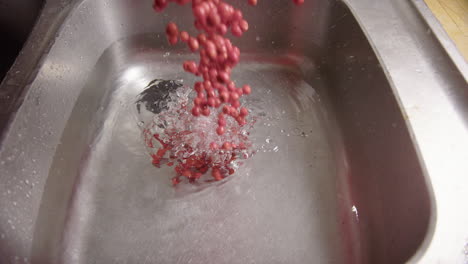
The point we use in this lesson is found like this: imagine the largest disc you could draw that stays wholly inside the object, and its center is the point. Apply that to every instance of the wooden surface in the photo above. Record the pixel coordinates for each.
(453, 15)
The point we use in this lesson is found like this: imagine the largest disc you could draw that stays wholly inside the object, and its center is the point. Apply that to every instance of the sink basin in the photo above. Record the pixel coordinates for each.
(349, 182)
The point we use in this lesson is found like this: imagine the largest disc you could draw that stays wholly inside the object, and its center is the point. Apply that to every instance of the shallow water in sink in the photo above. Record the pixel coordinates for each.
(120, 200)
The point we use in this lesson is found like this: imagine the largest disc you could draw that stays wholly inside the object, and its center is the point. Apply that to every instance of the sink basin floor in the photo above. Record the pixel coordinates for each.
(279, 207)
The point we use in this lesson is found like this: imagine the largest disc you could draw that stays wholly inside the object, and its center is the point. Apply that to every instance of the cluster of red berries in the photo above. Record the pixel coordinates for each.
(218, 56)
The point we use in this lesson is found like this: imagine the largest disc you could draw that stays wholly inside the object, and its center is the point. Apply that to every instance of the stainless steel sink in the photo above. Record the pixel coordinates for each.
(366, 103)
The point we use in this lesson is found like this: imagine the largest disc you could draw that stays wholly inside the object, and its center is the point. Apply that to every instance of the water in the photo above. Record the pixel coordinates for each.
(173, 135)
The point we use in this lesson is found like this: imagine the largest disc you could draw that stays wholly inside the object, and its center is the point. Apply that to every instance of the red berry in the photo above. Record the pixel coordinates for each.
(159, 5)
(206, 111)
(224, 96)
(217, 102)
(244, 25)
(187, 173)
(208, 85)
(199, 12)
(226, 109)
(227, 146)
(237, 15)
(213, 19)
(172, 40)
(199, 87)
(243, 112)
(201, 39)
(241, 120)
(201, 95)
(211, 49)
(235, 104)
(172, 30)
(223, 76)
(193, 44)
(198, 101)
(222, 122)
(234, 113)
(184, 36)
(236, 30)
(216, 174)
(253, 2)
(214, 146)
(213, 74)
(231, 86)
(210, 93)
(211, 101)
(190, 66)
(222, 29)
(220, 130)
(246, 89)
(196, 111)
(234, 96)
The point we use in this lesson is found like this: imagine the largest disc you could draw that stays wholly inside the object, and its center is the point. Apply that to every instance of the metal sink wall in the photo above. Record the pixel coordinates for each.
(356, 191)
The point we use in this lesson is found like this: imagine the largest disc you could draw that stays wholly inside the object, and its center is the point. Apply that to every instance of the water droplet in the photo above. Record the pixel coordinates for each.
(268, 140)
(276, 149)
(355, 211)
(167, 54)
